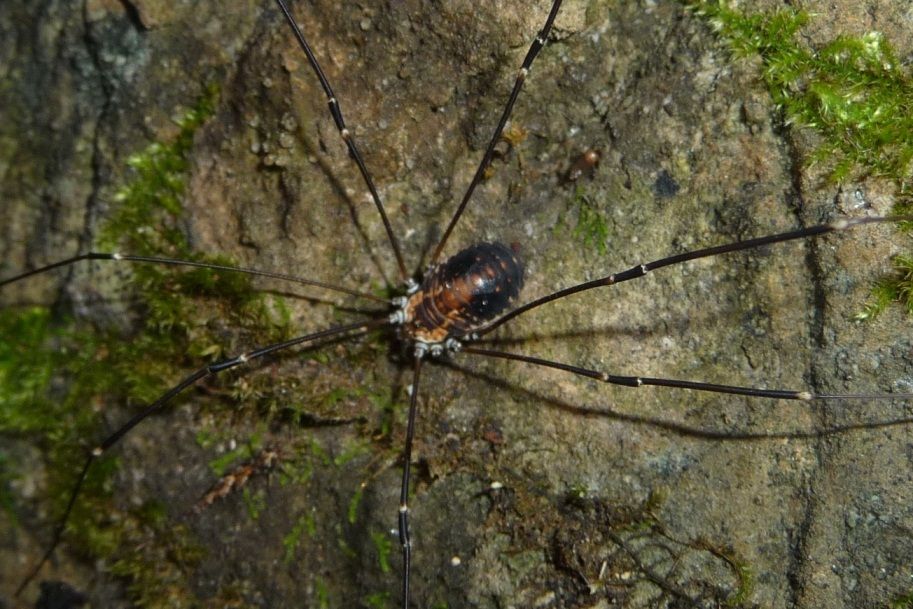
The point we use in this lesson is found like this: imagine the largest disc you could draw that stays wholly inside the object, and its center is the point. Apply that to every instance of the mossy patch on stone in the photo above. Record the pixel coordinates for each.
(853, 91)
(43, 352)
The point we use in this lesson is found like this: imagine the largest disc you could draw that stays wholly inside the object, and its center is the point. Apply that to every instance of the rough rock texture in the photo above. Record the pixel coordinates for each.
(693, 155)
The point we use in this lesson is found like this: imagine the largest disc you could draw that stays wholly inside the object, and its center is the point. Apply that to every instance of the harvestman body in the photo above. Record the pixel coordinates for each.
(456, 303)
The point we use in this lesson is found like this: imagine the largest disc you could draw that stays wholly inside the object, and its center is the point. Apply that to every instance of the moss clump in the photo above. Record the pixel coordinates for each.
(591, 229)
(36, 352)
(384, 548)
(897, 287)
(145, 224)
(853, 91)
(378, 600)
(305, 525)
(56, 373)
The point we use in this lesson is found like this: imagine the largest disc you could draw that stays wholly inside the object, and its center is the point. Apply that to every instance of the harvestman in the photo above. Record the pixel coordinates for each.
(453, 304)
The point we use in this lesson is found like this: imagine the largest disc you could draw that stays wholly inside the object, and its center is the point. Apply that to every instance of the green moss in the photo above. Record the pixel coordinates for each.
(229, 459)
(743, 574)
(384, 547)
(42, 353)
(378, 600)
(852, 91)
(254, 502)
(156, 571)
(296, 471)
(384, 403)
(323, 594)
(897, 287)
(354, 502)
(305, 525)
(902, 602)
(590, 229)
(38, 350)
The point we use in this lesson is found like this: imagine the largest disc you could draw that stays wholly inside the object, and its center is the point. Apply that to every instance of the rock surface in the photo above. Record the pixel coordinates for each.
(693, 155)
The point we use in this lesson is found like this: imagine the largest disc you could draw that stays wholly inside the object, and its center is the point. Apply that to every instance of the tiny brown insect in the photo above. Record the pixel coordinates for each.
(583, 166)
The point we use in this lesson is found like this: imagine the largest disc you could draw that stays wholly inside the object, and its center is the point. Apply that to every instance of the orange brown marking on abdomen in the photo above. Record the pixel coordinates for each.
(471, 288)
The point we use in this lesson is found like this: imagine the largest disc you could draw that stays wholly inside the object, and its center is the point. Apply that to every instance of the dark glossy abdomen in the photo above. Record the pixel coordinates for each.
(472, 287)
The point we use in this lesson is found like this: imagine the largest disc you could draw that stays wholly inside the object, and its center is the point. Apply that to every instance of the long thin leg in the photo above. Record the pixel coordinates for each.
(161, 402)
(702, 433)
(531, 55)
(642, 269)
(191, 263)
(639, 381)
(404, 538)
(348, 138)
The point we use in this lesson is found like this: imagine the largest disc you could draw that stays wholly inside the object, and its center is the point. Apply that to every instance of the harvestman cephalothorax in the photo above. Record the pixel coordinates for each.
(591, 360)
